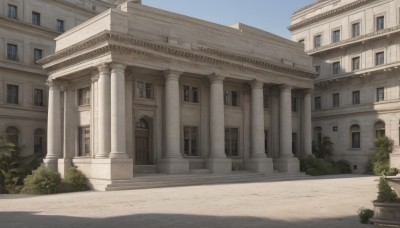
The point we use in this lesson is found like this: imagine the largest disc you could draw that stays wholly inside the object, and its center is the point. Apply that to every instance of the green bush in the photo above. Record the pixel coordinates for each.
(42, 181)
(365, 214)
(386, 194)
(317, 167)
(391, 172)
(325, 150)
(74, 181)
(342, 166)
(380, 159)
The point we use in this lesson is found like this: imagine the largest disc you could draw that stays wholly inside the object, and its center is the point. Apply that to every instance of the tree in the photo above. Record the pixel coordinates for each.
(325, 150)
(380, 158)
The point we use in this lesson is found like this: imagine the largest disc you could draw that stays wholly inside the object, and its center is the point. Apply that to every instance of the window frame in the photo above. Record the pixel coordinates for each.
(229, 149)
(84, 96)
(380, 94)
(144, 94)
(9, 100)
(336, 35)
(84, 148)
(190, 130)
(353, 35)
(188, 92)
(377, 22)
(35, 102)
(229, 98)
(353, 68)
(380, 61)
(11, 55)
(37, 50)
(319, 36)
(335, 100)
(9, 12)
(36, 22)
(356, 99)
(317, 105)
(355, 141)
(59, 28)
(338, 64)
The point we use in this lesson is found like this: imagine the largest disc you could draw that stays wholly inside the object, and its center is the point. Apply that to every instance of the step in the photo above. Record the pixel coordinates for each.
(199, 171)
(145, 169)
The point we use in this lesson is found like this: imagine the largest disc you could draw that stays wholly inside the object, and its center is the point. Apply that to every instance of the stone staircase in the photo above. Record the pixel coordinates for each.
(198, 177)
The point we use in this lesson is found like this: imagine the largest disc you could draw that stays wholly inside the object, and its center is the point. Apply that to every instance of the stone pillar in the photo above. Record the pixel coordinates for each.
(172, 163)
(118, 131)
(68, 136)
(217, 161)
(286, 162)
(104, 113)
(307, 125)
(258, 161)
(54, 146)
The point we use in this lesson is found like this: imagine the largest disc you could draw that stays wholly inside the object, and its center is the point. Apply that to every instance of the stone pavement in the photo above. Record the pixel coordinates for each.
(329, 201)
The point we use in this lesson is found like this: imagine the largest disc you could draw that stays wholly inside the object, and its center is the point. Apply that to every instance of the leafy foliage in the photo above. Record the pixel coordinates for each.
(325, 150)
(74, 181)
(316, 167)
(42, 181)
(386, 194)
(342, 166)
(365, 214)
(380, 159)
(13, 167)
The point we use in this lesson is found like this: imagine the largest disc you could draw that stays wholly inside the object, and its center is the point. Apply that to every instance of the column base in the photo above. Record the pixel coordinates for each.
(174, 166)
(51, 163)
(260, 165)
(219, 165)
(112, 169)
(288, 165)
(63, 165)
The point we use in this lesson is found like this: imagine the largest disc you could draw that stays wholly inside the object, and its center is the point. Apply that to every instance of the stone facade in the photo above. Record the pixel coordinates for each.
(27, 32)
(137, 89)
(356, 51)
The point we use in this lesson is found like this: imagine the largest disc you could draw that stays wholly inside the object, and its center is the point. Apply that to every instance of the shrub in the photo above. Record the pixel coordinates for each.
(316, 167)
(342, 166)
(380, 159)
(391, 172)
(42, 181)
(74, 181)
(325, 150)
(365, 214)
(386, 194)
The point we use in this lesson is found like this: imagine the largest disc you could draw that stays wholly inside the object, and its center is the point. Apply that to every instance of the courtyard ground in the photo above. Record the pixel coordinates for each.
(329, 201)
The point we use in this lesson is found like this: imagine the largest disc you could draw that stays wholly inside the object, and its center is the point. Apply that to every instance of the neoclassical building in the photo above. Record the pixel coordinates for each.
(137, 89)
(355, 47)
(27, 32)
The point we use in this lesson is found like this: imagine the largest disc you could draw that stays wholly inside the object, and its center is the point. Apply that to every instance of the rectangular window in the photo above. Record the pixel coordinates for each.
(266, 101)
(12, 52)
(380, 23)
(318, 70)
(266, 143)
(37, 55)
(195, 95)
(335, 100)
(186, 93)
(355, 140)
(335, 36)
(317, 103)
(38, 145)
(12, 94)
(317, 41)
(60, 25)
(379, 58)
(38, 97)
(231, 98)
(36, 18)
(144, 90)
(294, 104)
(190, 94)
(294, 144)
(84, 96)
(190, 136)
(232, 142)
(12, 11)
(355, 63)
(336, 68)
(84, 141)
(380, 94)
(356, 97)
(355, 30)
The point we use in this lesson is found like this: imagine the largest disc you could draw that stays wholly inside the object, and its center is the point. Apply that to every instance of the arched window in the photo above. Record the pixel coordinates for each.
(38, 142)
(379, 129)
(142, 124)
(12, 135)
(355, 136)
(318, 136)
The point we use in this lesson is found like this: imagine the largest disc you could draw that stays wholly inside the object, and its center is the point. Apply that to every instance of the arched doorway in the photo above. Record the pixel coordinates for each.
(143, 143)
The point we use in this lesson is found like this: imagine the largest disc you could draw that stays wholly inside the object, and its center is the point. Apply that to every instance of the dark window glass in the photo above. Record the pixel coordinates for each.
(335, 100)
(149, 90)
(38, 144)
(195, 95)
(355, 63)
(37, 55)
(36, 18)
(12, 94)
(317, 41)
(379, 58)
(356, 97)
(38, 97)
(380, 94)
(317, 103)
(355, 30)
(232, 142)
(186, 92)
(84, 96)
(318, 70)
(60, 26)
(294, 104)
(380, 23)
(190, 136)
(12, 11)
(336, 68)
(294, 144)
(335, 36)
(266, 101)
(12, 52)
(231, 98)
(84, 141)
(266, 143)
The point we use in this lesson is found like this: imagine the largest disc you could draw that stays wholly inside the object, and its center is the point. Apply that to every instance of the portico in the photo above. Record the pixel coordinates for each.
(126, 95)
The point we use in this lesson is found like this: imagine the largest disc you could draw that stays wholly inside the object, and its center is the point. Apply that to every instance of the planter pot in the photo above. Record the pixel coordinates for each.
(386, 215)
(394, 182)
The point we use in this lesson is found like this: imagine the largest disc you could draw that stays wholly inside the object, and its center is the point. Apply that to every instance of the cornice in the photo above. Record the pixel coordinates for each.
(119, 43)
(364, 73)
(75, 7)
(356, 40)
(330, 13)
(28, 27)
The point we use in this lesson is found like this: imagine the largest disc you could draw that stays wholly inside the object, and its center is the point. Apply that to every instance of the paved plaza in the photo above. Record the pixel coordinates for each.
(329, 201)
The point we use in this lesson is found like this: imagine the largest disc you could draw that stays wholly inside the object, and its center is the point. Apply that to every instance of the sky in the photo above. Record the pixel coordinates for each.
(269, 15)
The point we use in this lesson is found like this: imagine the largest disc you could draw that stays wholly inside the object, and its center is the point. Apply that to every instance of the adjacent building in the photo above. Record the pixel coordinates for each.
(27, 32)
(137, 89)
(355, 45)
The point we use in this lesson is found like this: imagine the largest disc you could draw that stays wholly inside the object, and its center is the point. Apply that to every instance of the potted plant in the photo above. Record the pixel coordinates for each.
(386, 206)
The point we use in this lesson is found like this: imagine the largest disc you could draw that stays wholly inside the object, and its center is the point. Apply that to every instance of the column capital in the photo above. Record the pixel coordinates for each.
(53, 83)
(285, 88)
(172, 74)
(215, 78)
(95, 76)
(104, 68)
(256, 84)
(118, 67)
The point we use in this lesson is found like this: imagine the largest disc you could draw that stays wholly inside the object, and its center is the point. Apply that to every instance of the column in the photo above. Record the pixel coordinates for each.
(54, 146)
(94, 113)
(172, 162)
(104, 113)
(286, 162)
(118, 131)
(217, 161)
(307, 125)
